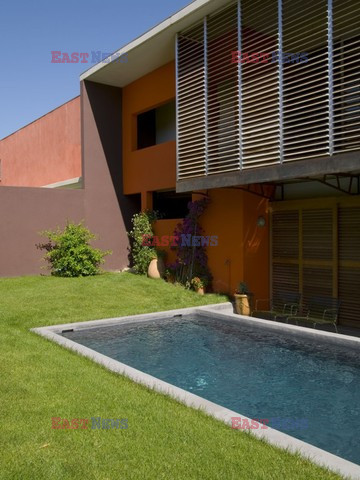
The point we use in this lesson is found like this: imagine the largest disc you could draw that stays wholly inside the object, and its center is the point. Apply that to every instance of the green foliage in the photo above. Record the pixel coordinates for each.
(69, 252)
(243, 289)
(142, 254)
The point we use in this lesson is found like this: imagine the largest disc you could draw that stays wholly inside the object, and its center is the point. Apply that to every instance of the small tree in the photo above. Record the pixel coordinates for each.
(141, 255)
(69, 252)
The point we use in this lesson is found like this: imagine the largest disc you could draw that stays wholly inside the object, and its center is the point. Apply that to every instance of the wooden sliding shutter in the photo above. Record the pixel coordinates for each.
(349, 264)
(316, 251)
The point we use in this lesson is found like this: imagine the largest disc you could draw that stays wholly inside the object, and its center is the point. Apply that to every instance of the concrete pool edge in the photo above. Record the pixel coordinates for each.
(221, 311)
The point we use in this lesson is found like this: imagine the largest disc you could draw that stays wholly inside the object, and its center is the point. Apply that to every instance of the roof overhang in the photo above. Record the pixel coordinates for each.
(151, 50)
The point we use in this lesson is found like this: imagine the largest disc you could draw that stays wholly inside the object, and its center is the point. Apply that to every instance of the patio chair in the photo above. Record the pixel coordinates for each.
(319, 311)
(281, 306)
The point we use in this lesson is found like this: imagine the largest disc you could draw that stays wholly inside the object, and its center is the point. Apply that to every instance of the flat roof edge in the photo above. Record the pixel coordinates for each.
(153, 32)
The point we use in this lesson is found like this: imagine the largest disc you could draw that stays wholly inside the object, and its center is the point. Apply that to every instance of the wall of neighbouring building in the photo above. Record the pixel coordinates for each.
(46, 151)
(24, 212)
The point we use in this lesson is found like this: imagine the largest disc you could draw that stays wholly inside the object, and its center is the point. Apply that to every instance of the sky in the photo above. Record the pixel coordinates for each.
(30, 84)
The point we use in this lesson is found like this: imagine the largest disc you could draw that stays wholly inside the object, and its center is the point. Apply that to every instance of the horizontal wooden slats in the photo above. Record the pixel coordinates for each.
(325, 254)
(260, 114)
(305, 85)
(285, 279)
(285, 234)
(349, 234)
(317, 282)
(317, 234)
(191, 101)
(349, 288)
(223, 105)
(346, 61)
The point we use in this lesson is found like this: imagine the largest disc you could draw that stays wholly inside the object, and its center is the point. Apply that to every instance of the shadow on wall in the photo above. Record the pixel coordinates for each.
(108, 210)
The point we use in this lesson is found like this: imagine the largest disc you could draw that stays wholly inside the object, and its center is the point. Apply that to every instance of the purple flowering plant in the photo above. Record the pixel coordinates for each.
(192, 260)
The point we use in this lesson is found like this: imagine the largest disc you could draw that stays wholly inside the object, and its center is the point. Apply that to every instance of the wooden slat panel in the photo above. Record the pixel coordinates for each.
(305, 84)
(260, 85)
(317, 282)
(349, 234)
(285, 278)
(317, 234)
(349, 289)
(191, 103)
(223, 104)
(346, 58)
(285, 234)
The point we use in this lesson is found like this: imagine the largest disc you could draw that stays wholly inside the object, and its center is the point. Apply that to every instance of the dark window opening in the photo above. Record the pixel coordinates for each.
(146, 128)
(156, 126)
(171, 204)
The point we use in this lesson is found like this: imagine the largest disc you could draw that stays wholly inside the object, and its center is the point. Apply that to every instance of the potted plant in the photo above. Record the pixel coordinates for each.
(242, 299)
(157, 266)
(199, 285)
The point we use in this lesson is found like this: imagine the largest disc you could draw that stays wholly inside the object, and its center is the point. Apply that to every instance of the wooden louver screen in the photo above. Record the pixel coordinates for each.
(316, 251)
(260, 86)
(191, 105)
(305, 85)
(346, 62)
(223, 92)
(349, 264)
(239, 116)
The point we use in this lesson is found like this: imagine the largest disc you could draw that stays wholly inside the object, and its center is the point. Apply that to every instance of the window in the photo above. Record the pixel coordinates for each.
(156, 126)
(171, 204)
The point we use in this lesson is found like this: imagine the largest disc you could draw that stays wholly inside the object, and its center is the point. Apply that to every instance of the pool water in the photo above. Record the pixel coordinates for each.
(307, 389)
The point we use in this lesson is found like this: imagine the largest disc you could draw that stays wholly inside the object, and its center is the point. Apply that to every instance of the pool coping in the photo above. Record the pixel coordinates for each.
(222, 311)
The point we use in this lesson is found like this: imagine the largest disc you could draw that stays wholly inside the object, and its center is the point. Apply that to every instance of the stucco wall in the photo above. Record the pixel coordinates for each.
(152, 168)
(46, 151)
(24, 212)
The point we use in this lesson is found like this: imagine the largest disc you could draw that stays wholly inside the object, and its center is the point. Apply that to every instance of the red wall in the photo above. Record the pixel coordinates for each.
(46, 151)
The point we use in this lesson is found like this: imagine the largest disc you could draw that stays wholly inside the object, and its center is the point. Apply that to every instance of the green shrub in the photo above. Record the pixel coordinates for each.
(141, 255)
(69, 252)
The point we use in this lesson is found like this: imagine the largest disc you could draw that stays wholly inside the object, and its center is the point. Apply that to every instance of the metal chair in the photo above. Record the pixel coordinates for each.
(319, 311)
(282, 306)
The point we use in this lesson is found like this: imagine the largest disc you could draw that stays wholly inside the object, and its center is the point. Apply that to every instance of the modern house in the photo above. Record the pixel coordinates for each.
(255, 104)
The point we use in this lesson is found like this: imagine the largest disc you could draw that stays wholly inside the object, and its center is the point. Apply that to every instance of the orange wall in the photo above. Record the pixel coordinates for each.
(152, 168)
(243, 250)
(45, 151)
(242, 253)
(166, 227)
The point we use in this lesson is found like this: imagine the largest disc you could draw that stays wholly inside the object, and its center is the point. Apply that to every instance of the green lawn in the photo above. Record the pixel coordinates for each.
(41, 380)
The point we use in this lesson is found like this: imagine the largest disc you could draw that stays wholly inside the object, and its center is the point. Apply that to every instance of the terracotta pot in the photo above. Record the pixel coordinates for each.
(200, 291)
(156, 268)
(242, 305)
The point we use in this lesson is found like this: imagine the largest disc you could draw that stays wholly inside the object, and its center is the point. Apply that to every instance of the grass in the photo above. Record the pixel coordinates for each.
(41, 380)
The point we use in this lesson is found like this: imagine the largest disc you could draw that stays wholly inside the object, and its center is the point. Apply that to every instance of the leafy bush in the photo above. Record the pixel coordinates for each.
(69, 252)
(141, 254)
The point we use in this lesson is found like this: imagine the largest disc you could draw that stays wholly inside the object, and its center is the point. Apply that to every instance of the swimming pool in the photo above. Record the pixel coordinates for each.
(303, 383)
